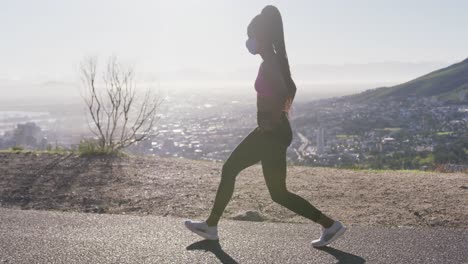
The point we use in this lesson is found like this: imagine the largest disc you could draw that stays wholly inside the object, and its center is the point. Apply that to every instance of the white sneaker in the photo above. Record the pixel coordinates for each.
(329, 234)
(202, 229)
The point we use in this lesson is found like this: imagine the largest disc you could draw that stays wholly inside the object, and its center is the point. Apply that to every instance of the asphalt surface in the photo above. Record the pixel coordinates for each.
(28, 236)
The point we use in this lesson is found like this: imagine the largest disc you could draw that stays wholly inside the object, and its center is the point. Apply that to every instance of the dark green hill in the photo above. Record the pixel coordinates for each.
(450, 83)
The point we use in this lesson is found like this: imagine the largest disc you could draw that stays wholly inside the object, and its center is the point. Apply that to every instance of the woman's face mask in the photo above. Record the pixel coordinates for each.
(251, 45)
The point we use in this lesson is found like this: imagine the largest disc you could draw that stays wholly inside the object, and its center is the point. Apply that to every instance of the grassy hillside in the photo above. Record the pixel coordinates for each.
(445, 84)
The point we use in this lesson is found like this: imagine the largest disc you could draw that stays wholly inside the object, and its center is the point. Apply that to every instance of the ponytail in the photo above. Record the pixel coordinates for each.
(275, 31)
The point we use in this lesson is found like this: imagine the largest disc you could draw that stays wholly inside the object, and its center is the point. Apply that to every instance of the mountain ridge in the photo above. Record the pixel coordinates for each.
(449, 84)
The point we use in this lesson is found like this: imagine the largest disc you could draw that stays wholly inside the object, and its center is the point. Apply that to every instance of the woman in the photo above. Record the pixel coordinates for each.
(268, 142)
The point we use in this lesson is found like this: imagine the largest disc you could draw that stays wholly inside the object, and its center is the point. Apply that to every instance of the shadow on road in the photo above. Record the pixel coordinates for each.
(214, 247)
(343, 257)
(49, 183)
(23, 183)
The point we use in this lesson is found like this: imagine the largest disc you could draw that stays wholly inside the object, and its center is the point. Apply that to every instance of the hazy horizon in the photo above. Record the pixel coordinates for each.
(314, 81)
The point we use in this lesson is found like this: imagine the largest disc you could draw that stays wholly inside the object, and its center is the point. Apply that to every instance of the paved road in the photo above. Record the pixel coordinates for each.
(28, 236)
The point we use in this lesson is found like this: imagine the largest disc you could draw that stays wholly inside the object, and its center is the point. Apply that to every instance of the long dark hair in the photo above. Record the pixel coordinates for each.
(268, 26)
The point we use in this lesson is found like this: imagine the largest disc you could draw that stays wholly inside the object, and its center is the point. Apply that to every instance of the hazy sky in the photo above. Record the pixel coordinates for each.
(46, 39)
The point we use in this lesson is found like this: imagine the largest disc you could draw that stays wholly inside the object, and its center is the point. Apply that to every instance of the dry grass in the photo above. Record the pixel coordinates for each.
(186, 188)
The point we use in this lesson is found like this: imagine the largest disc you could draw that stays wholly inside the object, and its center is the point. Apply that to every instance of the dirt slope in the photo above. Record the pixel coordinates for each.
(186, 188)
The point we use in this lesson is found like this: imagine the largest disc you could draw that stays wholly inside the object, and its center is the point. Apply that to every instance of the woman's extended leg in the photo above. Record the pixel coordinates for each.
(274, 171)
(246, 154)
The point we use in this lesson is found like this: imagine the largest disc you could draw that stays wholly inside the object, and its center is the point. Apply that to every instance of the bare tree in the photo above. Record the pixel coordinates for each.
(120, 115)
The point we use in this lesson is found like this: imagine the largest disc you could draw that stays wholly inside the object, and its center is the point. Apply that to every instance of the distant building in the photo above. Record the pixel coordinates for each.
(28, 135)
(320, 140)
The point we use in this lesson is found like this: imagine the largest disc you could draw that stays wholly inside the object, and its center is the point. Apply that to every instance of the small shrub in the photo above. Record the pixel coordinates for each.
(17, 148)
(88, 147)
(60, 150)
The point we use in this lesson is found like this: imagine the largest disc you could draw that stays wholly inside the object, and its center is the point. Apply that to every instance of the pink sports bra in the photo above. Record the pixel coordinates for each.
(264, 89)
(261, 85)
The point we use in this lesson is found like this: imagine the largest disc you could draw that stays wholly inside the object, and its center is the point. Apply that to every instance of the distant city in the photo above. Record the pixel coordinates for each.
(414, 133)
